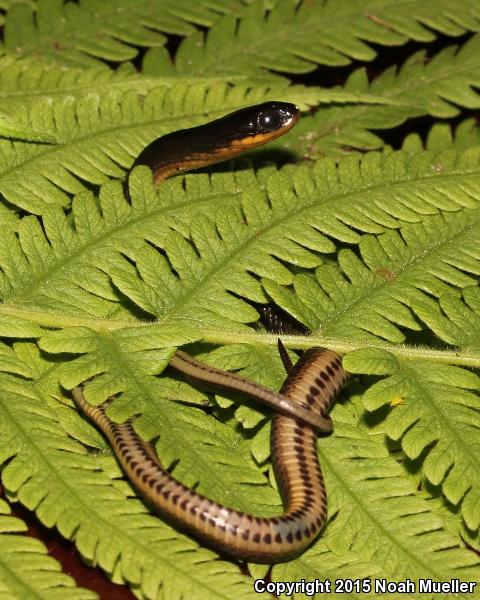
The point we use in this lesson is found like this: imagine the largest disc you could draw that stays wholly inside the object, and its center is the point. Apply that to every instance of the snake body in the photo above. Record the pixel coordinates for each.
(223, 380)
(217, 140)
(210, 143)
(302, 404)
(314, 381)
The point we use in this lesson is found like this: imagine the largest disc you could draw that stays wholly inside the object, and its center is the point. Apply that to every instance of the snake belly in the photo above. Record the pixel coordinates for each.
(314, 381)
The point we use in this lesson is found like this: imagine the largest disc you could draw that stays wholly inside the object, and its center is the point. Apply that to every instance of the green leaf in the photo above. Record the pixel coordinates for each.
(441, 136)
(15, 327)
(26, 570)
(436, 416)
(99, 133)
(53, 474)
(63, 32)
(372, 296)
(438, 85)
(381, 527)
(294, 38)
(376, 252)
(453, 320)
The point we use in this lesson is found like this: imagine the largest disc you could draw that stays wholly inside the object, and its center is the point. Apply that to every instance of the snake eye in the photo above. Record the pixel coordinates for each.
(269, 120)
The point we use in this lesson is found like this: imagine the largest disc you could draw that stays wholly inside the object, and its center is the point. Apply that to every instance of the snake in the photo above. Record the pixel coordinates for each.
(205, 145)
(207, 375)
(301, 407)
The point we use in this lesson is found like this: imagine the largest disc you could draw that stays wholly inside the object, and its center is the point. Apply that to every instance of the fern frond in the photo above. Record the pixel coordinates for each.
(442, 136)
(27, 82)
(198, 446)
(376, 253)
(436, 415)
(451, 515)
(377, 517)
(62, 31)
(435, 86)
(9, 128)
(455, 321)
(254, 232)
(65, 498)
(293, 37)
(52, 474)
(25, 569)
(99, 134)
(31, 259)
(372, 296)
(384, 294)
(288, 37)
